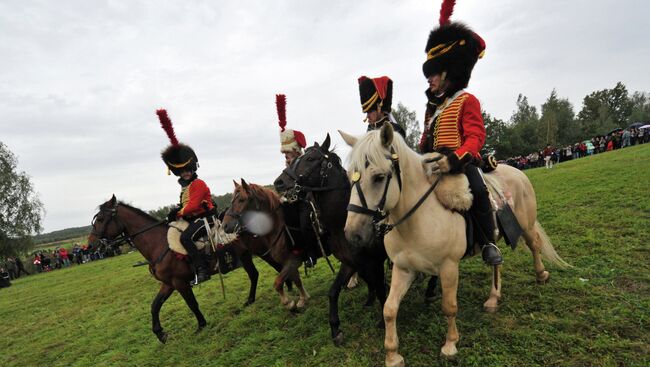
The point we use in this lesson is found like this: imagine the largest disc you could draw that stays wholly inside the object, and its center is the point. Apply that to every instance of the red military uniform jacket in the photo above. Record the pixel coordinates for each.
(195, 199)
(458, 126)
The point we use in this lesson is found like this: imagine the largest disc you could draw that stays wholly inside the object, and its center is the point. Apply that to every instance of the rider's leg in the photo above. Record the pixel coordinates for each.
(194, 231)
(311, 246)
(484, 215)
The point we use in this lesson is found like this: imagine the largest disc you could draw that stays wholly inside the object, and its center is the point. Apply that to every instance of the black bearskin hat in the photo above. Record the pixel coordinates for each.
(452, 48)
(177, 156)
(376, 92)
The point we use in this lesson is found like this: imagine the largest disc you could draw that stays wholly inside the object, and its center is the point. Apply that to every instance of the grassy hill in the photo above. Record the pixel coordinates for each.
(61, 235)
(596, 211)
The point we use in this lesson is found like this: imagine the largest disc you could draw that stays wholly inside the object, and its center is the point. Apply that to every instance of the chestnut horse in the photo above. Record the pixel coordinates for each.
(274, 243)
(117, 222)
(390, 183)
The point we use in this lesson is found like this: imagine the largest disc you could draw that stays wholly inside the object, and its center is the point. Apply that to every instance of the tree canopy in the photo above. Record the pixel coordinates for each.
(21, 210)
(408, 120)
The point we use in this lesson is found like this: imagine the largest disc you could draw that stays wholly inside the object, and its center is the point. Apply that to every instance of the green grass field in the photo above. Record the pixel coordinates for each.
(596, 211)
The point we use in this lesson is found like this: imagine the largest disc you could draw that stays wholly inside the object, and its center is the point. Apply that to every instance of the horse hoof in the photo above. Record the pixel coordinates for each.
(338, 340)
(449, 352)
(546, 276)
(291, 306)
(200, 328)
(397, 361)
(162, 336)
(491, 309)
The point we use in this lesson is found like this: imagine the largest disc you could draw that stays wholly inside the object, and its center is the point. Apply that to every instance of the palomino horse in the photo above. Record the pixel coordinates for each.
(425, 237)
(117, 222)
(317, 178)
(271, 245)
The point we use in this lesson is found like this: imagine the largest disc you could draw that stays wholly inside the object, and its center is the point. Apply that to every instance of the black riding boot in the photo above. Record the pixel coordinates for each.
(489, 250)
(199, 263)
(311, 255)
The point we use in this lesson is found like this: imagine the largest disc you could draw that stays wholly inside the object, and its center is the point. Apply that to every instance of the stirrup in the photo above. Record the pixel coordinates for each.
(309, 263)
(497, 261)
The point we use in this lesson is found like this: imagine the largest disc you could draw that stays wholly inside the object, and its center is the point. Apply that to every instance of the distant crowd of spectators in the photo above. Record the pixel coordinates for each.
(48, 260)
(598, 144)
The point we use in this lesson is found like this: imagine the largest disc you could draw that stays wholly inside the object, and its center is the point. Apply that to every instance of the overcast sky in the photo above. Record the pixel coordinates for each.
(80, 80)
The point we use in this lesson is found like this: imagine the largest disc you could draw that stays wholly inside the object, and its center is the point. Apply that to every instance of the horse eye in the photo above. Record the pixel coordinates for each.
(378, 178)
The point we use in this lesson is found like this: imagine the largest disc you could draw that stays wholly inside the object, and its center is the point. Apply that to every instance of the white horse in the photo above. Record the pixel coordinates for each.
(388, 183)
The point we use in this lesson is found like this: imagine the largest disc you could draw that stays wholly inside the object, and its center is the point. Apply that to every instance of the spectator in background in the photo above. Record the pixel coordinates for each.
(548, 153)
(5, 281)
(11, 268)
(64, 256)
(20, 267)
(76, 252)
(625, 141)
(533, 158)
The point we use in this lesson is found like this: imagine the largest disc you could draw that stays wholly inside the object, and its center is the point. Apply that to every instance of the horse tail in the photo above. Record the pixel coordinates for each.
(547, 249)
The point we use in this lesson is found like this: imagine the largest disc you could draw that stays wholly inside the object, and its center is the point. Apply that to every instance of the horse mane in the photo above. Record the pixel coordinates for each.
(369, 151)
(138, 211)
(332, 153)
(263, 195)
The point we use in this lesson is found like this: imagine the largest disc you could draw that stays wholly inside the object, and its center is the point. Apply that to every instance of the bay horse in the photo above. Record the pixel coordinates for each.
(117, 222)
(318, 177)
(426, 237)
(274, 245)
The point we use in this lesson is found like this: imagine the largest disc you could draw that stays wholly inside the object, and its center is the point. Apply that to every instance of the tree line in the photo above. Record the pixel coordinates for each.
(555, 123)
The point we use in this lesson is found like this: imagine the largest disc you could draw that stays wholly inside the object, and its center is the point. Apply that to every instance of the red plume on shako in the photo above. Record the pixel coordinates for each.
(177, 156)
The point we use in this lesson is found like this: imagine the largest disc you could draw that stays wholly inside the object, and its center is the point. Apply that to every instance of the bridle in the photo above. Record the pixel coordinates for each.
(379, 214)
(123, 235)
(299, 187)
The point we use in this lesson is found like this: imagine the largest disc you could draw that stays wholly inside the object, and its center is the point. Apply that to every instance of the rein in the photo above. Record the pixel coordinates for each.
(379, 214)
(124, 236)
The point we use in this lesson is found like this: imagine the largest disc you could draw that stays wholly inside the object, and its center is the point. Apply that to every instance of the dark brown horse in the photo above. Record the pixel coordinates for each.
(273, 243)
(116, 222)
(318, 176)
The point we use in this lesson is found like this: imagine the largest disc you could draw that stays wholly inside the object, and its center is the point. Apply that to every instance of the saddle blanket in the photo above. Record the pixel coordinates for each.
(219, 236)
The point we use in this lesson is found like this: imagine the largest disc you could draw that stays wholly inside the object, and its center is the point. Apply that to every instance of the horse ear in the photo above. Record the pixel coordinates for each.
(245, 185)
(113, 201)
(326, 144)
(386, 135)
(349, 139)
(236, 184)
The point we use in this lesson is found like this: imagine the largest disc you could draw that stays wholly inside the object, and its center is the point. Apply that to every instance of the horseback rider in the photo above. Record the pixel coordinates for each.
(455, 128)
(292, 145)
(376, 98)
(195, 200)
(292, 142)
